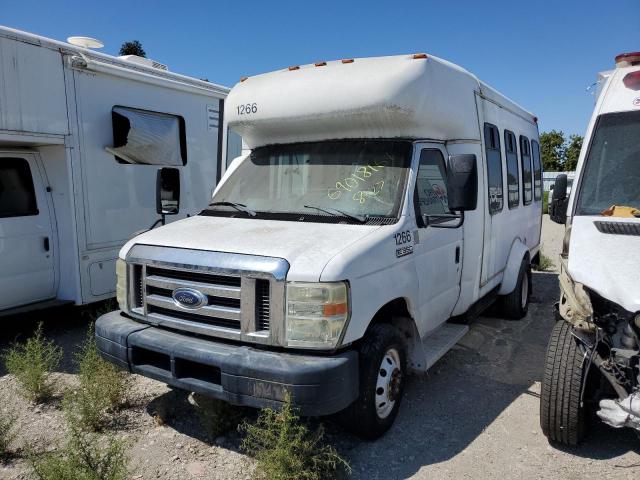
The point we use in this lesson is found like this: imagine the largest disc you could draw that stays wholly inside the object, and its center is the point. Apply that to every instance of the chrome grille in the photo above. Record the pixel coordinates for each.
(244, 293)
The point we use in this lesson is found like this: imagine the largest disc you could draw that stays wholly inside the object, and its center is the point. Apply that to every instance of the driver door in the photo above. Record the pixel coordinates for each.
(438, 251)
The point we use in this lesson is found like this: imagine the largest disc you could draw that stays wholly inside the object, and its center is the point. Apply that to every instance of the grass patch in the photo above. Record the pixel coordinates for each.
(102, 388)
(545, 263)
(32, 363)
(8, 433)
(85, 457)
(286, 449)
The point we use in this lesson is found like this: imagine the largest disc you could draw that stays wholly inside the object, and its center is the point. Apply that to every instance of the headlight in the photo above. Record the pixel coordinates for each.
(316, 314)
(121, 285)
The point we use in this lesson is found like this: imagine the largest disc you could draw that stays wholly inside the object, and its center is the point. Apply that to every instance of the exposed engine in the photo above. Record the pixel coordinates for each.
(610, 338)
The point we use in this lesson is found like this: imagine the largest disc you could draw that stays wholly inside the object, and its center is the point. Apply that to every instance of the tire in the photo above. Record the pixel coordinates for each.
(381, 390)
(515, 305)
(562, 418)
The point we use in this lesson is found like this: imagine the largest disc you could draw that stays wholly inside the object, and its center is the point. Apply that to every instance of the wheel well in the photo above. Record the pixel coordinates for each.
(394, 308)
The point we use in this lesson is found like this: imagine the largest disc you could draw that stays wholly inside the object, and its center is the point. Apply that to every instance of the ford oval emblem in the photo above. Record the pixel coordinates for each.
(189, 298)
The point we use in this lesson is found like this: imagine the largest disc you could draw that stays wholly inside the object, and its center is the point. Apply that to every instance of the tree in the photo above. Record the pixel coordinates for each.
(572, 152)
(133, 47)
(552, 150)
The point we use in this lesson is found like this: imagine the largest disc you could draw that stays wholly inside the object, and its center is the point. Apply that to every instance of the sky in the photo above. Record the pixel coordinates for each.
(543, 54)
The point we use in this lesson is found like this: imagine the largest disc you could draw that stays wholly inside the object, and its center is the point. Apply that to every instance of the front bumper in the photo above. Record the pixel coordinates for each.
(238, 374)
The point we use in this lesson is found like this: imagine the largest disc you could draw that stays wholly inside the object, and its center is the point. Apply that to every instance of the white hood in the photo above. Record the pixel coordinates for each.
(308, 247)
(607, 263)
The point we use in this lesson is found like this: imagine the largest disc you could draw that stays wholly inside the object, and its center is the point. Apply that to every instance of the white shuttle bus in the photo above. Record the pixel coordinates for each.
(93, 148)
(593, 358)
(380, 199)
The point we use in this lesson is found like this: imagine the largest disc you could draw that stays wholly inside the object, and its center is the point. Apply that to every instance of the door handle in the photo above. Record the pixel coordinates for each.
(458, 254)
(46, 244)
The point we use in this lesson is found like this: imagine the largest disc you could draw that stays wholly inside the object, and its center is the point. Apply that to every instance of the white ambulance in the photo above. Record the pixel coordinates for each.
(593, 358)
(380, 198)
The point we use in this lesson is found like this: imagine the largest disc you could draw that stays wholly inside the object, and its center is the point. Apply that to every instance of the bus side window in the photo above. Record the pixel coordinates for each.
(513, 180)
(537, 171)
(494, 168)
(525, 163)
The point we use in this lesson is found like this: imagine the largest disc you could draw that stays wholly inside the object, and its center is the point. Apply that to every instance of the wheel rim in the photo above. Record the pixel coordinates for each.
(389, 383)
(524, 291)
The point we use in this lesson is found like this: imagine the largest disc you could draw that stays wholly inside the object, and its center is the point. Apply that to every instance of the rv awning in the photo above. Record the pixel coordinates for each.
(148, 138)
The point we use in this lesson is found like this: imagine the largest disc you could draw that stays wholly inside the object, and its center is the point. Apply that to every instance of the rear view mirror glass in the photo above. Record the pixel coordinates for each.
(168, 191)
(462, 182)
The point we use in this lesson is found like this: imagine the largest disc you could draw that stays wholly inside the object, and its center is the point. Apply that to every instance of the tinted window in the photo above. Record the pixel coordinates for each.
(537, 170)
(525, 162)
(494, 168)
(430, 184)
(17, 195)
(513, 182)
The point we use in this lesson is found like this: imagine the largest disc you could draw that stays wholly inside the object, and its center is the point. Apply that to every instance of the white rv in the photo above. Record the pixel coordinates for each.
(593, 358)
(371, 209)
(86, 141)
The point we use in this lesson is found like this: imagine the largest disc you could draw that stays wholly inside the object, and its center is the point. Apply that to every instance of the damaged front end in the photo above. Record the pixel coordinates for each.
(609, 338)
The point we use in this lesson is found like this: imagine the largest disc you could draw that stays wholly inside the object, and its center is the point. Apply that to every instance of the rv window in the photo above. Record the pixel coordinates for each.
(537, 171)
(494, 168)
(431, 185)
(17, 195)
(611, 171)
(513, 182)
(525, 162)
(148, 138)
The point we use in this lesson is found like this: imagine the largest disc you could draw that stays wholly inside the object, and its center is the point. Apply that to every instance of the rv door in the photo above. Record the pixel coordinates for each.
(26, 237)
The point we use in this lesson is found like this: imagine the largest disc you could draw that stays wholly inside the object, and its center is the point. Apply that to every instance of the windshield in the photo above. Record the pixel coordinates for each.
(340, 180)
(611, 174)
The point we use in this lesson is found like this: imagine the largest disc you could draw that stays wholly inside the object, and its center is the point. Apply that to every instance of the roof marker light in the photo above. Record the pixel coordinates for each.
(242, 79)
(417, 56)
(627, 59)
(294, 67)
(632, 80)
(320, 64)
(347, 60)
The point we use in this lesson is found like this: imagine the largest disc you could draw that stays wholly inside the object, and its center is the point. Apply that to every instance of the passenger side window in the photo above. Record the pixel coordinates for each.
(525, 162)
(430, 183)
(143, 137)
(17, 194)
(494, 168)
(537, 171)
(513, 181)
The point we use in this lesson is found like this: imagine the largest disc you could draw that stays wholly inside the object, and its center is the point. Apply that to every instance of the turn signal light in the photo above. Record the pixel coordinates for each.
(632, 80)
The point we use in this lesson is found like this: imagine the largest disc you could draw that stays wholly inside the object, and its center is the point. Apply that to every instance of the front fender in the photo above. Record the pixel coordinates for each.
(510, 277)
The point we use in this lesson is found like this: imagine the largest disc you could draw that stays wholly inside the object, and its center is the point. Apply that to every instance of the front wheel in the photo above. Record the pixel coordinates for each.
(562, 414)
(382, 377)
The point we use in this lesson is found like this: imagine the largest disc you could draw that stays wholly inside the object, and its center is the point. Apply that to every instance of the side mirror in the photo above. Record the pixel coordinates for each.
(168, 191)
(559, 200)
(462, 183)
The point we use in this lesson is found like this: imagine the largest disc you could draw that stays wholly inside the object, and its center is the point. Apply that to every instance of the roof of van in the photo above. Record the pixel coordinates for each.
(613, 94)
(110, 60)
(402, 96)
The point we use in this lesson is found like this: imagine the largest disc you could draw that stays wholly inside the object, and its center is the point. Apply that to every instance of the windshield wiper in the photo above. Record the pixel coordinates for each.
(339, 213)
(238, 206)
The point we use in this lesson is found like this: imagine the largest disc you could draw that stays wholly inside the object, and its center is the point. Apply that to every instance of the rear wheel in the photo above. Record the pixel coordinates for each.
(382, 378)
(515, 305)
(562, 418)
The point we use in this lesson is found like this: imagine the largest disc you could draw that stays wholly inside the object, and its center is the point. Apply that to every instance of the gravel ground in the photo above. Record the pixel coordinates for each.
(475, 415)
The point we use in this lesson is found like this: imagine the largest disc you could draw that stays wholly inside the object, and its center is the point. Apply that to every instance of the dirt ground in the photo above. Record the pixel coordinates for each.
(475, 415)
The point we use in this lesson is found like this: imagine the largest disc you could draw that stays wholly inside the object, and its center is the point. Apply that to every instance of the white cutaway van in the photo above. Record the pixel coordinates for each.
(380, 199)
(593, 358)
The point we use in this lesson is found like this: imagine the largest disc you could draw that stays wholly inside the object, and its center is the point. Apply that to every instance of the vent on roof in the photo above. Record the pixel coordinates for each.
(147, 62)
(618, 228)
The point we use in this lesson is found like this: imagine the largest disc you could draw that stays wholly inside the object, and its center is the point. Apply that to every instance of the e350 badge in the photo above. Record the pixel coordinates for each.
(401, 252)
